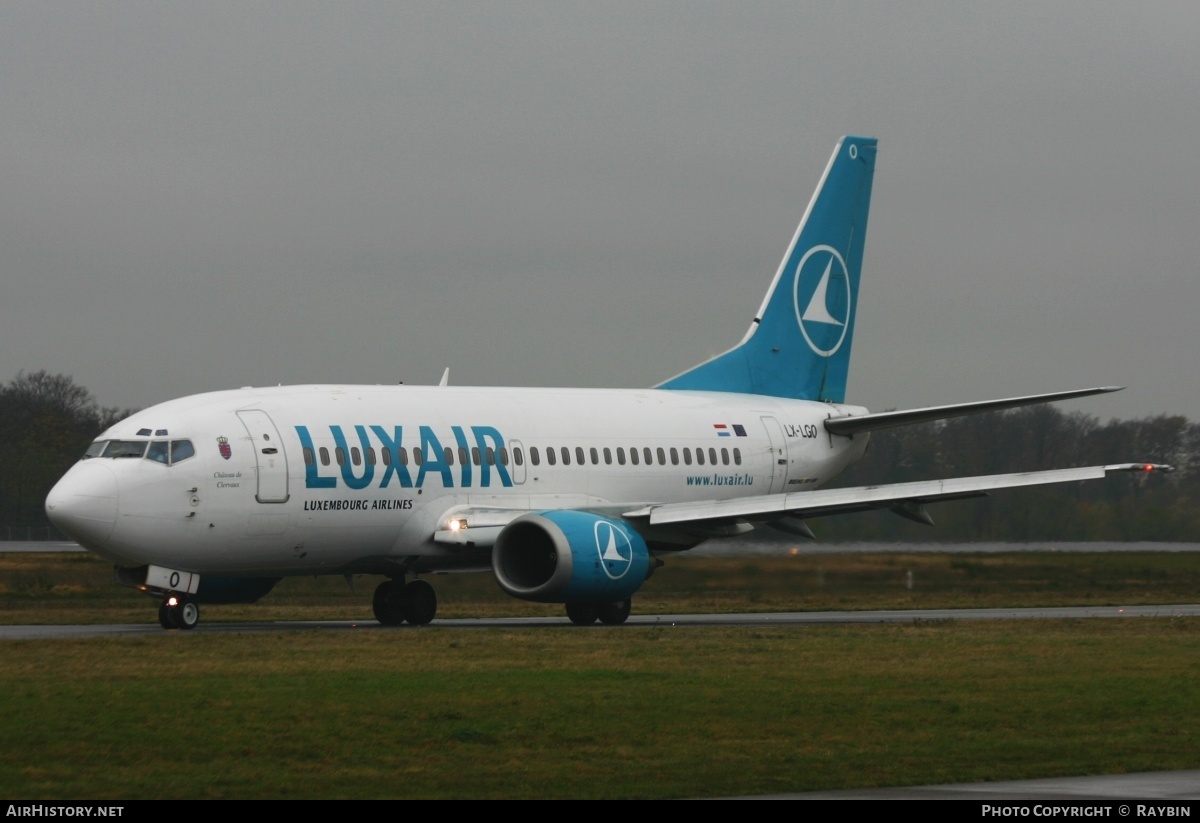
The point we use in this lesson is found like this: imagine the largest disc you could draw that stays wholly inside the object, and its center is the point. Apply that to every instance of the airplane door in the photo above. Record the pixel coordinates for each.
(516, 465)
(779, 462)
(269, 454)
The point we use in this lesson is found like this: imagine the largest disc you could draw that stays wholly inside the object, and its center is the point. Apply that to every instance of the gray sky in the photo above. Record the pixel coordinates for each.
(197, 196)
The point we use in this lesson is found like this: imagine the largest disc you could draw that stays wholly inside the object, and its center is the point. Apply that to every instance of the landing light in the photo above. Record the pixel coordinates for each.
(457, 525)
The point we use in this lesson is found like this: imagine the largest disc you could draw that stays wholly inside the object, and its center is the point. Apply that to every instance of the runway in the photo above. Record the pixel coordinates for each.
(1119, 792)
(635, 621)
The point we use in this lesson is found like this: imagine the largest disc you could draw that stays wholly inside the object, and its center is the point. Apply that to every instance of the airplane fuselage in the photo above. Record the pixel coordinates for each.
(325, 479)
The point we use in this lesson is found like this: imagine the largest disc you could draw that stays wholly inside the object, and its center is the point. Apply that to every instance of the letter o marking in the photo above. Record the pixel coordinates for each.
(174, 579)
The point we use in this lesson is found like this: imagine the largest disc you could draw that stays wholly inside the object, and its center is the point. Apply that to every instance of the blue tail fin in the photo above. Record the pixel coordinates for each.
(799, 344)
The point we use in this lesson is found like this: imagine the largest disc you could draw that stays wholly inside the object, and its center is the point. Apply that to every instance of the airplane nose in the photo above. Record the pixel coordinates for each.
(83, 504)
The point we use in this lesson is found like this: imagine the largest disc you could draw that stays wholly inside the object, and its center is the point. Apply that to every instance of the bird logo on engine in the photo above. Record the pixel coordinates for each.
(614, 549)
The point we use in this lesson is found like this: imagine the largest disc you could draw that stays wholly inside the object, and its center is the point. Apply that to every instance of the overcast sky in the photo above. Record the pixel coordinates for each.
(198, 196)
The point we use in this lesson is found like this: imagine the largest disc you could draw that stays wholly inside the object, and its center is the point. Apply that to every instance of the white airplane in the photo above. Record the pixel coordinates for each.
(568, 496)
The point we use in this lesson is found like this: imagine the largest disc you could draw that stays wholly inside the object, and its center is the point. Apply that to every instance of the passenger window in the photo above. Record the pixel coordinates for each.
(699, 457)
(725, 456)
(309, 459)
(687, 455)
(595, 456)
(550, 455)
(403, 456)
(620, 455)
(662, 457)
(712, 455)
(490, 454)
(386, 454)
(737, 457)
(449, 453)
(324, 456)
(463, 456)
(674, 456)
(518, 458)
(418, 456)
(370, 455)
(475, 455)
(355, 456)
(633, 455)
(159, 452)
(579, 458)
(340, 455)
(534, 457)
(502, 453)
(566, 456)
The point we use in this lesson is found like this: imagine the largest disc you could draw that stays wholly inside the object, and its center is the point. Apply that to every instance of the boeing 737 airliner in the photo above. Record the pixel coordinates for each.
(568, 496)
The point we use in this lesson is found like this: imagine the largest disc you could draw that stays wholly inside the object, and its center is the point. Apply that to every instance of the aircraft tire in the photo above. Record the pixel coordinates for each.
(420, 603)
(616, 613)
(165, 618)
(583, 614)
(388, 602)
(186, 615)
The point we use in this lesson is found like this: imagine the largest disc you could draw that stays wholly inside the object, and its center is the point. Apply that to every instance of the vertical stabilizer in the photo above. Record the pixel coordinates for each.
(799, 343)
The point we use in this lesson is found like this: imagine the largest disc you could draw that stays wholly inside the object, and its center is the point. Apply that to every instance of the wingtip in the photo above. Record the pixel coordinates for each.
(1145, 468)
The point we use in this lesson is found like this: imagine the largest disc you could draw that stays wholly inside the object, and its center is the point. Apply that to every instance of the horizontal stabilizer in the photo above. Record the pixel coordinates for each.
(907, 417)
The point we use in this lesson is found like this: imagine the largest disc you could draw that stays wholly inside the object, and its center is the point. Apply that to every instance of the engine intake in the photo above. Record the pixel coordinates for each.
(570, 556)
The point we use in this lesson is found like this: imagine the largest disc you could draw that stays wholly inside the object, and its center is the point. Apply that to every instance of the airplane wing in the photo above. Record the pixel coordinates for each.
(906, 499)
(478, 527)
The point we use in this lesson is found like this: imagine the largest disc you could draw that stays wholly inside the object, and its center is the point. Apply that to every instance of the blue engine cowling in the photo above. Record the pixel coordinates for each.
(570, 556)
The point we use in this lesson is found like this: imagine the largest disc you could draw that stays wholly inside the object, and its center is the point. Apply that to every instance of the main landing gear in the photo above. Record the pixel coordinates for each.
(610, 614)
(178, 613)
(397, 602)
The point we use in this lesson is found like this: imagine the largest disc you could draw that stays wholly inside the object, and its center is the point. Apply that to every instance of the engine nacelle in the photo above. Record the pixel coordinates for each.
(570, 556)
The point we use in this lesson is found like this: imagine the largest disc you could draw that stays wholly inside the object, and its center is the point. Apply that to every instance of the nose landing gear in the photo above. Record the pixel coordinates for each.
(178, 613)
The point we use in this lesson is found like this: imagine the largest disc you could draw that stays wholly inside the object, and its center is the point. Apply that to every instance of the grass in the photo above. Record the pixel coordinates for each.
(78, 588)
(635, 712)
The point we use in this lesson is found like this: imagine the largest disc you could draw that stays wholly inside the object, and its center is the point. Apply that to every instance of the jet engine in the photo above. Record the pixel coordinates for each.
(570, 556)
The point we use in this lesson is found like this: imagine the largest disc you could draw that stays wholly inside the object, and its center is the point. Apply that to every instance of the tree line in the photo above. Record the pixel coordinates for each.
(1122, 507)
(47, 420)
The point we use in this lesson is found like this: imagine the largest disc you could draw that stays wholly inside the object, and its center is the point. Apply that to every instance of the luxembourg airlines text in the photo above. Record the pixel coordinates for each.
(356, 505)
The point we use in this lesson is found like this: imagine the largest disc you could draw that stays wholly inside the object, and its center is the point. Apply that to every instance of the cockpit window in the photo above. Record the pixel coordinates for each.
(125, 448)
(181, 450)
(159, 452)
(167, 452)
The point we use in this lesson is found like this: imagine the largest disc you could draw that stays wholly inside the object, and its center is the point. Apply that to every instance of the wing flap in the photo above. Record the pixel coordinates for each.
(864, 498)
